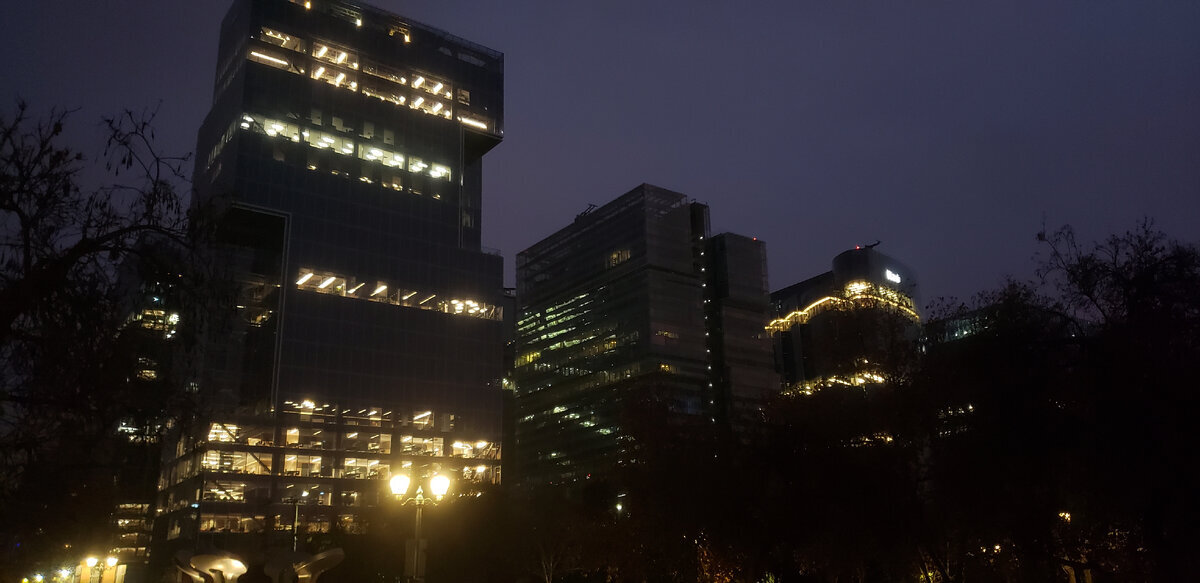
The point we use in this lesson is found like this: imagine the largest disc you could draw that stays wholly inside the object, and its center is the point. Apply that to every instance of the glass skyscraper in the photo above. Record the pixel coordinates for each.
(362, 335)
(626, 307)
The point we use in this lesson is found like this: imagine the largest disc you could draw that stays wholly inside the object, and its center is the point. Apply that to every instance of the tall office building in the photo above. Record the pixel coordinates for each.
(837, 328)
(625, 307)
(343, 155)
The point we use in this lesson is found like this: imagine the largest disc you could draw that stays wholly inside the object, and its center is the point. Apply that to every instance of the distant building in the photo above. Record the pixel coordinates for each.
(836, 328)
(344, 154)
(633, 304)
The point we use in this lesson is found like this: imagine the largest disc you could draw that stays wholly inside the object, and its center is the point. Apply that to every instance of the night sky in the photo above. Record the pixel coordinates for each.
(947, 130)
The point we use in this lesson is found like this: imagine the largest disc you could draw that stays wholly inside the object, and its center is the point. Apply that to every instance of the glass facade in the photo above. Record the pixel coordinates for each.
(344, 147)
(612, 313)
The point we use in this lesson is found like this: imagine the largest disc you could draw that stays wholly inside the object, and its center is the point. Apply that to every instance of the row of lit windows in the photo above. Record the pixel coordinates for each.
(340, 67)
(329, 283)
(343, 145)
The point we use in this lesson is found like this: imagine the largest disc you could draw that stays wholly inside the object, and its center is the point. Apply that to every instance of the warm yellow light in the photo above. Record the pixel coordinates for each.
(418, 82)
(325, 284)
(437, 88)
(409, 295)
(64, 573)
(418, 102)
(342, 58)
(91, 561)
(321, 51)
(269, 58)
(307, 404)
(304, 278)
(473, 123)
(38, 577)
(308, 5)
(378, 290)
(320, 71)
(437, 107)
(111, 561)
(399, 484)
(439, 485)
(480, 444)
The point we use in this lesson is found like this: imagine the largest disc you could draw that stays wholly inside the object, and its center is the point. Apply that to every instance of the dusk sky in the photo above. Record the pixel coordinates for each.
(947, 130)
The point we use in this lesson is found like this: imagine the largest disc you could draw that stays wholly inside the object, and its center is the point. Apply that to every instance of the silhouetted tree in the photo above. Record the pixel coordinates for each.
(74, 262)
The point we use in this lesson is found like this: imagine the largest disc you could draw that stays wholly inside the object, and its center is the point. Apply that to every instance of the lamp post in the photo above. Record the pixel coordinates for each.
(296, 519)
(93, 562)
(438, 486)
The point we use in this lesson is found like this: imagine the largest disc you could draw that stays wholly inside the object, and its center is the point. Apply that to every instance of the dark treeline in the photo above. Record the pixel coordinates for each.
(1041, 433)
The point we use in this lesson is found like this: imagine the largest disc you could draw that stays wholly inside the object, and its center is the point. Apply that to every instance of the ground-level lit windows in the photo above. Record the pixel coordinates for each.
(230, 523)
(223, 432)
(350, 524)
(223, 491)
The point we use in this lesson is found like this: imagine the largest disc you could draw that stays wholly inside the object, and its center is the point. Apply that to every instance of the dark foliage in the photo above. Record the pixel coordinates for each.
(75, 264)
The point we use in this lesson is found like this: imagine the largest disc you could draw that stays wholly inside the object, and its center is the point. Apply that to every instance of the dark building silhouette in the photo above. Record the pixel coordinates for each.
(343, 157)
(632, 305)
(838, 328)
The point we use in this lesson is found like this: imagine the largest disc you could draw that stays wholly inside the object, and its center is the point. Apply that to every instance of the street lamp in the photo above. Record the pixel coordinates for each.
(438, 486)
(93, 562)
(296, 518)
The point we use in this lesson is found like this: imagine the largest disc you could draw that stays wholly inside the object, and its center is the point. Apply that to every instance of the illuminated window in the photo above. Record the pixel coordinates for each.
(400, 30)
(386, 73)
(281, 40)
(388, 158)
(618, 257)
(334, 55)
(367, 441)
(307, 438)
(229, 523)
(429, 446)
(273, 58)
(223, 432)
(334, 284)
(237, 462)
(336, 77)
(364, 468)
(302, 465)
(224, 491)
(423, 419)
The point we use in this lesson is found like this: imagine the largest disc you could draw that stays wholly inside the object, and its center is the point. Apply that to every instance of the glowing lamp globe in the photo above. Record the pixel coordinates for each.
(399, 484)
